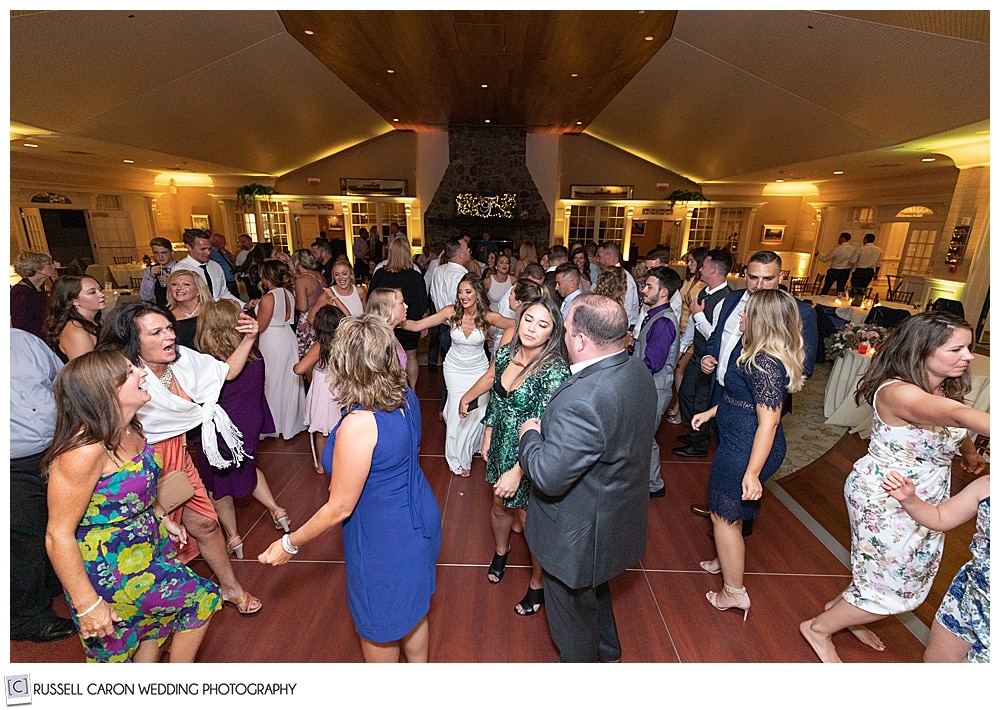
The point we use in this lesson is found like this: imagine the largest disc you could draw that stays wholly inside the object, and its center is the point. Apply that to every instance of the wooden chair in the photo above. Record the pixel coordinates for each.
(798, 285)
(135, 282)
(119, 260)
(817, 285)
(898, 296)
(892, 284)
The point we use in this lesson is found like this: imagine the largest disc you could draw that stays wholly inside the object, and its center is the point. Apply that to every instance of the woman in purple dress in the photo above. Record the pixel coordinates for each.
(243, 400)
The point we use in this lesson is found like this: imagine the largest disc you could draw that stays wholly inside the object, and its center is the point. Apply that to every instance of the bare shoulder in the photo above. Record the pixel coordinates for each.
(82, 463)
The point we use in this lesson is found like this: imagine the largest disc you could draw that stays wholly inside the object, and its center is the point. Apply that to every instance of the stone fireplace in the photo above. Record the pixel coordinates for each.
(487, 161)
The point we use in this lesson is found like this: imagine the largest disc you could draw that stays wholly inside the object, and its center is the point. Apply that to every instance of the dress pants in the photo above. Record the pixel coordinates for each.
(663, 398)
(33, 582)
(581, 622)
(862, 278)
(695, 396)
(434, 346)
(838, 275)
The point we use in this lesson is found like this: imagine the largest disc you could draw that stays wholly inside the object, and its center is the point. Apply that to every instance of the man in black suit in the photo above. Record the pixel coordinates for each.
(763, 272)
(588, 459)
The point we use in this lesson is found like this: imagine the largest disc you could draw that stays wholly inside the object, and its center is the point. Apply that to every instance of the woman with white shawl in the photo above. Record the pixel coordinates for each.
(184, 387)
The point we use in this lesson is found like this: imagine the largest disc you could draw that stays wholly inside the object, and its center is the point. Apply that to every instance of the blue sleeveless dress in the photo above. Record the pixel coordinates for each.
(393, 536)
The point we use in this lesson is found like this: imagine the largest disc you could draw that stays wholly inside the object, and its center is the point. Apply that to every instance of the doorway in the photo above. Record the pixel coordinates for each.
(67, 235)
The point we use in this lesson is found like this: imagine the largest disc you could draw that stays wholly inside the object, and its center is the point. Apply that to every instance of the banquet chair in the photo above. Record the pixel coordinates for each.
(100, 273)
(120, 260)
(950, 305)
(817, 285)
(135, 282)
(886, 316)
(898, 296)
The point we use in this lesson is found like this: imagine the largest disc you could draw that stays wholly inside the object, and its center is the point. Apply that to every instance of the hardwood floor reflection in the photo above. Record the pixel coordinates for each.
(662, 613)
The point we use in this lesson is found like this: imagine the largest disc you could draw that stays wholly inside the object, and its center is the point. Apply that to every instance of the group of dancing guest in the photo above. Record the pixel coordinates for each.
(527, 369)
(469, 321)
(285, 390)
(390, 518)
(322, 409)
(767, 367)
(398, 273)
(915, 384)
(74, 319)
(108, 538)
(184, 387)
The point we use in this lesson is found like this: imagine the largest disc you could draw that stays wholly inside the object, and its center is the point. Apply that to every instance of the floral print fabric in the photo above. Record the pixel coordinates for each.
(893, 559)
(132, 564)
(965, 609)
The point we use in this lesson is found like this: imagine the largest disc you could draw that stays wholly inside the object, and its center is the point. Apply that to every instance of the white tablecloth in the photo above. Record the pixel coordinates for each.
(840, 409)
(124, 273)
(855, 314)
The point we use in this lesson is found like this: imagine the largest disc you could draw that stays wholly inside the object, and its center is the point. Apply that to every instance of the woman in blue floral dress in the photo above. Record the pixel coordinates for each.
(107, 536)
(915, 384)
(524, 375)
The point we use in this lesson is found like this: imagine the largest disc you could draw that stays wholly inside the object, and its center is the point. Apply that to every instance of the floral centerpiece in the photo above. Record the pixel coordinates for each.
(850, 336)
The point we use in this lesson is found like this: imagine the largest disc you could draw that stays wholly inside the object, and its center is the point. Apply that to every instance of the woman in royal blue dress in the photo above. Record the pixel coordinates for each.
(751, 441)
(391, 520)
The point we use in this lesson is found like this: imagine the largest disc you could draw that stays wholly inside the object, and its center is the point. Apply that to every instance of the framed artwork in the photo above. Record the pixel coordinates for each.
(372, 186)
(638, 228)
(600, 192)
(201, 221)
(773, 233)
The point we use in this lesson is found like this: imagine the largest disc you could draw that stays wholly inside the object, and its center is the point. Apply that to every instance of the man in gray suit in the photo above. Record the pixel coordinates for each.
(588, 459)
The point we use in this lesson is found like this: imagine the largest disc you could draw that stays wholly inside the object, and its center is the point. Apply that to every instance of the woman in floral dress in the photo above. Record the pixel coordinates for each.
(524, 375)
(915, 385)
(108, 537)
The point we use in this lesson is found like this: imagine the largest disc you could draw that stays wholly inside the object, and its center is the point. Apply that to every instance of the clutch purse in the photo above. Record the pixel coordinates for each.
(173, 490)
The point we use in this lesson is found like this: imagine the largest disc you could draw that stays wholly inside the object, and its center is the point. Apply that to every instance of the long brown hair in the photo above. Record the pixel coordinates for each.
(482, 304)
(87, 407)
(216, 333)
(62, 310)
(554, 347)
(903, 356)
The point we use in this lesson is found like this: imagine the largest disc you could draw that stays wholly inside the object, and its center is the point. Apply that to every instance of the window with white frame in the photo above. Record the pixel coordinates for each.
(918, 251)
(700, 226)
(599, 223)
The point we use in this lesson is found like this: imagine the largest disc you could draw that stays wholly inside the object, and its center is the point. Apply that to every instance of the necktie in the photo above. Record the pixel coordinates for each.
(645, 321)
(208, 279)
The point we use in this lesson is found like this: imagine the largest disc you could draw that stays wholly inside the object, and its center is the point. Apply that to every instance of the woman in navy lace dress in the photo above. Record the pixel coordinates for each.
(751, 442)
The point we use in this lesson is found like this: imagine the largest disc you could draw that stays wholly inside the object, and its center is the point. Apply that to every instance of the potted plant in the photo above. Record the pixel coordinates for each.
(246, 195)
(685, 196)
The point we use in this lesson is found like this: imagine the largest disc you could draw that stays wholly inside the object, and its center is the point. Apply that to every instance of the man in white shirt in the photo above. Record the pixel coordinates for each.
(444, 289)
(199, 248)
(841, 259)
(867, 264)
(567, 285)
(558, 255)
(608, 254)
(246, 244)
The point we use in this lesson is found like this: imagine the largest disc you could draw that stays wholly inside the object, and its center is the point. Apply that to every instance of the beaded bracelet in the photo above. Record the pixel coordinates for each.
(287, 546)
(89, 609)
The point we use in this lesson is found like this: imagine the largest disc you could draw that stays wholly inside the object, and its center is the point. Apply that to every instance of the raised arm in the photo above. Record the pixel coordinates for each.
(499, 321)
(430, 321)
(248, 326)
(915, 406)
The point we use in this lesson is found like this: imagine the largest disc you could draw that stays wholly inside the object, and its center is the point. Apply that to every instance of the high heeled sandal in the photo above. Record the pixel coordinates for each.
(497, 567)
(247, 605)
(281, 522)
(532, 602)
(235, 546)
(704, 564)
(674, 417)
(743, 605)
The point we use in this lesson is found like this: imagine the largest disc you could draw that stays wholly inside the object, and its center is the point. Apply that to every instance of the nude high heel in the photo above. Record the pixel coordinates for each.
(281, 522)
(235, 546)
(743, 605)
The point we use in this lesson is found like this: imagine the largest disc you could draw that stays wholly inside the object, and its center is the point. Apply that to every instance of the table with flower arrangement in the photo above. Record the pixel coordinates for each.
(839, 406)
(857, 314)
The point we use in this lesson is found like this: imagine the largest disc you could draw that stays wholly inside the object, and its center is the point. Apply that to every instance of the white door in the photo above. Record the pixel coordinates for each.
(34, 230)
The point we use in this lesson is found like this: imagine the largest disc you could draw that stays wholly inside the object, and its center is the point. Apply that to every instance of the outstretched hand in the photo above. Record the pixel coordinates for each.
(274, 555)
(899, 486)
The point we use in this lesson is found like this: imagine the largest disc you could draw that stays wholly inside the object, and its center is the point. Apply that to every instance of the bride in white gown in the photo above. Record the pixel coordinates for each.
(465, 363)
(284, 390)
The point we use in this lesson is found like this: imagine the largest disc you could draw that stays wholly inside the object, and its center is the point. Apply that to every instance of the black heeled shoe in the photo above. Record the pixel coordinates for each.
(497, 567)
(532, 602)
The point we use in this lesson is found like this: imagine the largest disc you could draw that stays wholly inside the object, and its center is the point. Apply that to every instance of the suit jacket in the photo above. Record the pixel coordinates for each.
(586, 517)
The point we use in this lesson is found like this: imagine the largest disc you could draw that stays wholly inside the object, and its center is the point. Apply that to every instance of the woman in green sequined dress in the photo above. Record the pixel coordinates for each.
(524, 375)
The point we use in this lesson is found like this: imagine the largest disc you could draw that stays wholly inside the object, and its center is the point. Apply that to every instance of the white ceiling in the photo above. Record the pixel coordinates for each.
(731, 97)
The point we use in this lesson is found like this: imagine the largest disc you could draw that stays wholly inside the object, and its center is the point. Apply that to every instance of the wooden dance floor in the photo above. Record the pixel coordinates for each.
(660, 605)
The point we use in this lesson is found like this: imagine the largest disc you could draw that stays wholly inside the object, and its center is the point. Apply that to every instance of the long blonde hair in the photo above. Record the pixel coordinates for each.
(365, 365)
(382, 302)
(772, 325)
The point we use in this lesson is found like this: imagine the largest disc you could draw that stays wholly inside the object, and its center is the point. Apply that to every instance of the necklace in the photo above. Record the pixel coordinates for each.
(167, 378)
(193, 313)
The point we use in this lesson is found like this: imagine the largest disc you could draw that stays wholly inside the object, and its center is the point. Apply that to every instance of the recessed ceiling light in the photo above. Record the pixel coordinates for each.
(779, 180)
(574, 75)
(395, 120)
(485, 86)
(30, 145)
(308, 32)
(648, 38)
(128, 161)
(487, 120)
(927, 160)
(838, 172)
(390, 71)
(579, 123)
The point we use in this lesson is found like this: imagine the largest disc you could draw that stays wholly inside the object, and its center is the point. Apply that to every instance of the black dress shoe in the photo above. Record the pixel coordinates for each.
(658, 494)
(690, 451)
(701, 510)
(56, 630)
(684, 439)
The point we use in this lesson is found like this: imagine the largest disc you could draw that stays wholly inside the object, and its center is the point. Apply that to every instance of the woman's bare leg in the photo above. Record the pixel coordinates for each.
(415, 643)
(731, 551)
(262, 494)
(862, 633)
(380, 652)
(946, 647)
(319, 441)
(820, 630)
(226, 510)
(147, 652)
(213, 549)
(184, 646)
(412, 369)
(501, 520)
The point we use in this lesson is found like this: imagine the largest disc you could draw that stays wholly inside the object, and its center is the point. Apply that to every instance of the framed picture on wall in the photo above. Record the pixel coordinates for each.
(201, 221)
(773, 233)
(638, 228)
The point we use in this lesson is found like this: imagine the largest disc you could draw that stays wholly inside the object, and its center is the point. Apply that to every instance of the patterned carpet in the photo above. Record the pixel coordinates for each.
(808, 436)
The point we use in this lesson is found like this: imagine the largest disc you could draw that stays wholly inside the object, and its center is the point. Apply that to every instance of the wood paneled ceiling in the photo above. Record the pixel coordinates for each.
(715, 96)
(551, 71)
